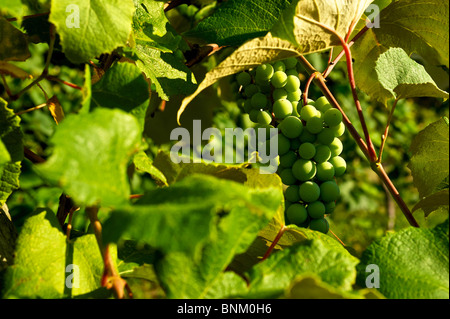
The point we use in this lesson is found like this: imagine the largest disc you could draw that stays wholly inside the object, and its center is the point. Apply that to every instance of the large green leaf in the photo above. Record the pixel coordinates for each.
(11, 151)
(103, 25)
(90, 156)
(41, 257)
(413, 263)
(251, 19)
(430, 158)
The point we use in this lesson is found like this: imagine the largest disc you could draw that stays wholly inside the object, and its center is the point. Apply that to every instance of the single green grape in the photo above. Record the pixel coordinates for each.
(323, 154)
(309, 191)
(251, 90)
(287, 177)
(284, 145)
(329, 191)
(336, 147)
(279, 66)
(292, 193)
(315, 125)
(294, 96)
(264, 118)
(282, 109)
(279, 94)
(333, 117)
(279, 79)
(329, 207)
(326, 136)
(291, 127)
(320, 225)
(297, 214)
(339, 164)
(325, 171)
(248, 106)
(290, 63)
(338, 130)
(292, 83)
(307, 137)
(316, 210)
(307, 150)
(244, 79)
(304, 170)
(259, 101)
(287, 160)
(308, 111)
(264, 72)
(254, 115)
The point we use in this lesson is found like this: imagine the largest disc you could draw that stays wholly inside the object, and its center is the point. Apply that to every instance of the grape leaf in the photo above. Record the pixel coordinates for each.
(429, 162)
(13, 8)
(123, 87)
(433, 202)
(41, 272)
(13, 70)
(8, 236)
(143, 164)
(90, 156)
(11, 151)
(413, 263)
(251, 19)
(13, 43)
(90, 28)
(405, 78)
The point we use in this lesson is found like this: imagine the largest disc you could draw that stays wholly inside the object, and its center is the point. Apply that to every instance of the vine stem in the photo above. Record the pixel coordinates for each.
(110, 278)
(386, 131)
(275, 242)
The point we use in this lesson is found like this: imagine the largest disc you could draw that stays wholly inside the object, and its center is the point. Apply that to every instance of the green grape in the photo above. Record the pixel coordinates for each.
(316, 210)
(284, 145)
(339, 164)
(338, 130)
(325, 171)
(279, 94)
(315, 125)
(254, 115)
(307, 137)
(308, 111)
(292, 83)
(279, 79)
(251, 90)
(291, 127)
(287, 204)
(279, 66)
(264, 72)
(292, 72)
(264, 118)
(292, 193)
(326, 136)
(322, 104)
(287, 177)
(304, 170)
(329, 191)
(332, 117)
(320, 225)
(295, 144)
(290, 63)
(282, 109)
(323, 154)
(329, 207)
(244, 79)
(294, 109)
(248, 106)
(336, 147)
(294, 96)
(287, 160)
(297, 214)
(307, 151)
(309, 192)
(259, 101)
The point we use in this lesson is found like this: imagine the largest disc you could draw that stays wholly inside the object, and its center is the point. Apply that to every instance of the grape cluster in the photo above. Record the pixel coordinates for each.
(309, 147)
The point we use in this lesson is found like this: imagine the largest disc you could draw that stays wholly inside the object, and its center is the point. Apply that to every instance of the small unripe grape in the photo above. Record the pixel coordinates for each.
(307, 151)
(323, 154)
(329, 191)
(254, 115)
(287, 160)
(291, 127)
(251, 90)
(325, 171)
(316, 210)
(292, 84)
(308, 111)
(339, 164)
(264, 118)
(338, 130)
(314, 125)
(294, 96)
(284, 144)
(297, 214)
(309, 192)
(322, 104)
(332, 117)
(307, 137)
(279, 94)
(279, 66)
(304, 170)
(287, 177)
(282, 109)
(326, 136)
(320, 225)
(248, 106)
(259, 101)
(336, 147)
(293, 72)
(290, 63)
(264, 72)
(329, 207)
(279, 79)
(244, 78)
(292, 193)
